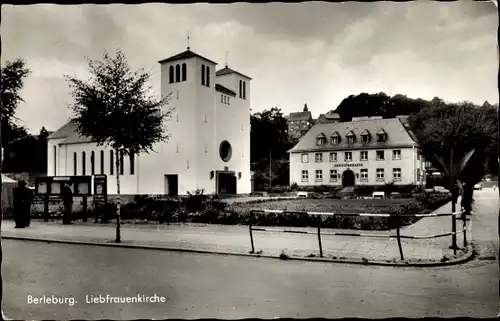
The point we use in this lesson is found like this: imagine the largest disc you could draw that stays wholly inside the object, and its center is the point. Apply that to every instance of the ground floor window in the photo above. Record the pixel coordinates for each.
(305, 176)
(364, 175)
(333, 175)
(319, 175)
(380, 174)
(396, 173)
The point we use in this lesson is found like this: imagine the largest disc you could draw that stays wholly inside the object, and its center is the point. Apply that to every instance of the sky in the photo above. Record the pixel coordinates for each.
(316, 53)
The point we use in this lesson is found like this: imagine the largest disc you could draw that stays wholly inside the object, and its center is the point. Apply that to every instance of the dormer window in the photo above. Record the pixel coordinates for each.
(320, 139)
(335, 138)
(381, 136)
(365, 136)
(351, 138)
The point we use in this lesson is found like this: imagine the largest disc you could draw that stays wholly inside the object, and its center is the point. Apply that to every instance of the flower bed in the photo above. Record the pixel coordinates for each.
(199, 208)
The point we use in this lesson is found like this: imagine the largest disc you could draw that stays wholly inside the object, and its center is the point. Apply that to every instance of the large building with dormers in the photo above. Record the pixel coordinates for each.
(209, 144)
(365, 151)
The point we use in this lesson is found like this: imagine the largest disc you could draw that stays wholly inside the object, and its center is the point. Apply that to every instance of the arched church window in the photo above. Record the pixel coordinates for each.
(92, 163)
(171, 77)
(244, 90)
(184, 72)
(111, 162)
(83, 163)
(75, 164)
(177, 73)
(241, 86)
(208, 76)
(203, 74)
(102, 162)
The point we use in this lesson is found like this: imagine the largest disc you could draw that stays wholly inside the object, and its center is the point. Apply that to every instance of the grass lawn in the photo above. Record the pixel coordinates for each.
(375, 206)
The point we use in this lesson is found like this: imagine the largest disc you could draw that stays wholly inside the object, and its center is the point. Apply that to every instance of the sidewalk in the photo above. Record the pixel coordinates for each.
(235, 239)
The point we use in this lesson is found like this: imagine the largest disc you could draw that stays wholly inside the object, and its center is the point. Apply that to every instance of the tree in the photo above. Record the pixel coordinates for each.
(13, 75)
(464, 127)
(115, 108)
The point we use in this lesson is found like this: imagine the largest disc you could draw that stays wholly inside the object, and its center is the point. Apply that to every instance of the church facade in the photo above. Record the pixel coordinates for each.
(209, 144)
(365, 151)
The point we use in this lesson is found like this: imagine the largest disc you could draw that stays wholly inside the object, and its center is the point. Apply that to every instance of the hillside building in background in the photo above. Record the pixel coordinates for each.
(329, 117)
(209, 145)
(365, 151)
(299, 123)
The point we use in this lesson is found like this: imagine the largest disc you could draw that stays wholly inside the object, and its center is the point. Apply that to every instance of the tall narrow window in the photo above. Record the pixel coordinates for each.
(203, 74)
(83, 163)
(132, 164)
(208, 76)
(111, 163)
(244, 91)
(92, 163)
(102, 162)
(241, 85)
(75, 164)
(55, 161)
(171, 77)
(177, 73)
(184, 72)
(122, 167)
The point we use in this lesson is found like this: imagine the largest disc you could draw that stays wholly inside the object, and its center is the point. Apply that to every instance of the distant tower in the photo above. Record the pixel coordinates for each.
(305, 107)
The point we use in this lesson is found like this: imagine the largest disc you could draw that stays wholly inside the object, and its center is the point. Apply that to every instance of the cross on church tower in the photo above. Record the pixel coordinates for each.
(188, 40)
(226, 59)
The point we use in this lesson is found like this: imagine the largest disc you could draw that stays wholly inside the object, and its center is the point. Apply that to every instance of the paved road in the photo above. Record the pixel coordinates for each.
(203, 285)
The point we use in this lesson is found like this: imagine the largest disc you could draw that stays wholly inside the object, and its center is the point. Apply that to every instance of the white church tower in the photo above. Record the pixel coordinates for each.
(209, 144)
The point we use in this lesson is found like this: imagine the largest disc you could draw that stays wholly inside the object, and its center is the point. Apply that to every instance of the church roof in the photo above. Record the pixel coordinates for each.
(64, 131)
(397, 135)
(184, 55)
(226, 71)
(70, 133)
(225, 90)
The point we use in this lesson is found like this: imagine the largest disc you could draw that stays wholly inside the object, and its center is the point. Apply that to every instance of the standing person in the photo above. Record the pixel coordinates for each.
(67, 198)
(19, 201)
(28, 199)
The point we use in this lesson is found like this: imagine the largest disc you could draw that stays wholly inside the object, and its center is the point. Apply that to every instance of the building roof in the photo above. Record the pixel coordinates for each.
(225, 90)
(397, 135)
(69, 133)
(301, 115)
(63, 132)
(226, 71)
(184, 55)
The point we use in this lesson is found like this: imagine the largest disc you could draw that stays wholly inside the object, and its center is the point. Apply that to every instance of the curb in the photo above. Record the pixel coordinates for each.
(469, 254)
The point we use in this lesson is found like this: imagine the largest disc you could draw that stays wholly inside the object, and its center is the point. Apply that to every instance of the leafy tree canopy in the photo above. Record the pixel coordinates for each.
(13, 75)
(115, 107)
(269, 132)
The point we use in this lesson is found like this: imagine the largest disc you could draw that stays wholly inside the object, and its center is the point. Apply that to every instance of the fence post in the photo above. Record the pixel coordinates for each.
(399, 239)
(319, 242)
(464, 219)
(454, 233)
(250, 230)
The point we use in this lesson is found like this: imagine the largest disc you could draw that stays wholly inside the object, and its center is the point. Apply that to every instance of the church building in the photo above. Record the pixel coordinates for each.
(365, 151)
(209, 144)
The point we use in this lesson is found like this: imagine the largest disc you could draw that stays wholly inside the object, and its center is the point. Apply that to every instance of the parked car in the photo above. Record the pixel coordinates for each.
(440, 190)
(479, 186)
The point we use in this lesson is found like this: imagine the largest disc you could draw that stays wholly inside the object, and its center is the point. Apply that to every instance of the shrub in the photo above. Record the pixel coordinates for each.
(364, 190)
(294, 187)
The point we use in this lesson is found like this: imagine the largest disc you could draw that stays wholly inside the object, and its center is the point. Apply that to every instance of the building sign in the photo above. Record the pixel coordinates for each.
(349, 165)
(100, 190)
(52, 185)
